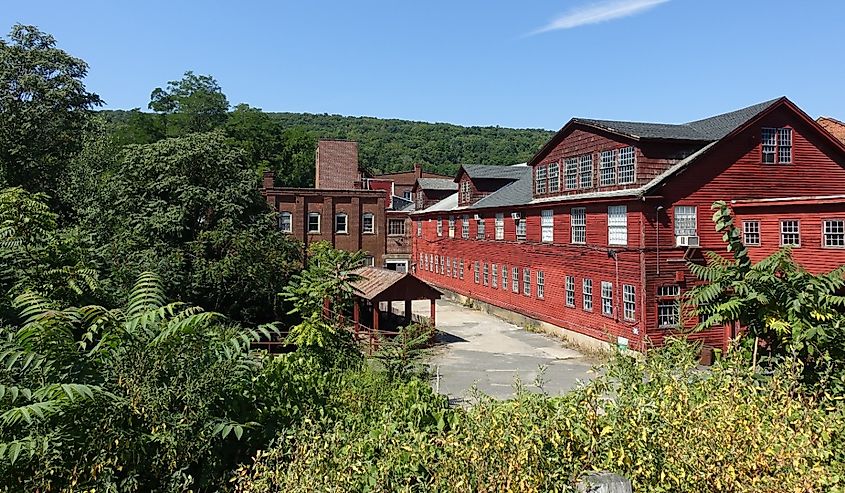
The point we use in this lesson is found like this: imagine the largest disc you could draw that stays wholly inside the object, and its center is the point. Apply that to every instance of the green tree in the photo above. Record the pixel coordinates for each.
(195, 103)
(44, 108)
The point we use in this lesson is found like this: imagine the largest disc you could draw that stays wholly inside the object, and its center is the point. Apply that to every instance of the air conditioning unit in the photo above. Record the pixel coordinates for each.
(687, 241)
(516, 216)
(477, 217)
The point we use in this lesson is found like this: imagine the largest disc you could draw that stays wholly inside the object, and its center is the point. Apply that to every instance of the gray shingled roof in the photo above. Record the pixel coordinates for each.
(493, 172)
(437, 184)
(519, 192)
(402, 204)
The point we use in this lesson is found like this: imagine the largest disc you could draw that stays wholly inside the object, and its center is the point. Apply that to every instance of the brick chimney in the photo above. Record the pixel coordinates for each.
(417, 170)
(337, 164)
(268, 179)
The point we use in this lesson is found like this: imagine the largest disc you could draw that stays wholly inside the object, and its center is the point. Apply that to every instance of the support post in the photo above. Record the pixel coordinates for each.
(326, 305)
(407, 312)
(389, 308)
(356, 316)
(432, 314)
(376, 314)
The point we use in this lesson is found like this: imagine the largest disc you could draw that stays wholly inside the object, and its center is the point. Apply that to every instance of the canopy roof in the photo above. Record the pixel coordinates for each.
(388, 285)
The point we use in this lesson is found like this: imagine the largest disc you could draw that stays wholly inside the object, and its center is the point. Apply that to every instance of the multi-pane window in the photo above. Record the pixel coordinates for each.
(790, 233)
(465, 227)
(520, 229)
(448, 267)
(313, 222)
(285, 222)
(547, 224)
(607, 168)
(341, 223)
(554, 177)
(541, 284)
(627, 166)
(777, 145)
(436, 264)
(629, 301)
(751, 232)
(505, 277)
(570, 173)
(578, 224)
(419, 228)
(439, 226)
(442, 265)
(396, 227)
(668, 306)
(540, 180)
(368, 224)
(607, 298)
(515, 279)
(482, 228)
(585, 171)
(617, 225)
(466, 191)
(494, 272)
(455, 268)
(451, 226)
(486, 274)
(570, 290)
(686, 222)
(500, 226)
(587, 292)
(461, 271)
(476, 269)
(526, 281)
(834, 233)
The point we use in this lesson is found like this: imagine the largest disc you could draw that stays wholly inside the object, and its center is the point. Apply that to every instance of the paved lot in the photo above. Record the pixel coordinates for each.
(485, 351)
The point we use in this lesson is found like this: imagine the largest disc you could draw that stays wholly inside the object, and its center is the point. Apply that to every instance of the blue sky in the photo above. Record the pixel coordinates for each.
(514, 64)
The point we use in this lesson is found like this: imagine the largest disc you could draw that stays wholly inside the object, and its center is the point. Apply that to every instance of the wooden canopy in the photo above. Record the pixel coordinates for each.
(378, 285)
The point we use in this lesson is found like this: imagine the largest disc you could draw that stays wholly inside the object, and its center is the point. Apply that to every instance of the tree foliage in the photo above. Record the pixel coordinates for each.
(195, 103)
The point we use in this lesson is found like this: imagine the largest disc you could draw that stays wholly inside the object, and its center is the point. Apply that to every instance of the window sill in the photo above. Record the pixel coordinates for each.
(341, 232)
(314, 232)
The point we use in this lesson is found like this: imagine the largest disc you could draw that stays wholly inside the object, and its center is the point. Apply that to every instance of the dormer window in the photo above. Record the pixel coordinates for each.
(466, 192)
(554, 178)
(777, 145)
(541, 180)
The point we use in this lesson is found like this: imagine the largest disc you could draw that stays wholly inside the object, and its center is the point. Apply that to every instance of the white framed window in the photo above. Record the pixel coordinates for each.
(419, 228)
(465, 227)
(406, 195)
(751, 233)
(629, 302)
(454, 268)
(541, 284)
(451, 226)
(486, 277)
(341, 223)
(420, 199)
(606, 298)
(526, 281)
(448, 267)
(833, 231)
(442, 265)
(396, 227)
(587, 294)
(368, 224)
(515, 279)
(285, 222)
(505, 277)
(540, 179)
(461, 272)
(776, 145)
(476, 269)
(554, 177)
(607, 168)
(790, 233)
(466, 191)
(436, 264)
(570, 172)
(494, 274)
(500, 226)
(617, 225)
(547, 225)
(313, 222)
(521, 229)
(370, 261)
(569, 285)
(481, 228)
(439, 226)
(585, 171)
(686, 220)
(668, 306)
(627, 166)
(578, 225)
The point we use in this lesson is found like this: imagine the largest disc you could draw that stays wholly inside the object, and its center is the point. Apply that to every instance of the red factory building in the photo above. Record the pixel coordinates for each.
(593, 234)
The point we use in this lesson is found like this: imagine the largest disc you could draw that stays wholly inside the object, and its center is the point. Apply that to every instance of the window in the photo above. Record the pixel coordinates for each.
(607, 168)
(476, 271)
(396, 227)
(448, 267)
(313, 222)
(500, 226)
(465, 227)
(439, 226)
(455, 268)
(554, 178)
(617, 225)
(586, 171)
(420, 199)
(442, 266)
(494, 282)
(570, 291)
(686, 222)
(436, 264)
(834, 233)
(668, 307)
(627, 166)
(451, 226)
(520, 229)
(541, 284)
(368, 225)
(462, 269)
(370, 260)
(777, 145)
(607, 298)
(515, 279)
(578, 223)
(341, 223)
(419, 228)
(406, 195)
(540, 181)
(547, 223)
(790, 233)
(570, 172)
(587, 292)
(486, 277)
(505, 277)
(526, 281)
(629, 302)
(481, 229)
(466, 191)
(285, 222)
(751, 232)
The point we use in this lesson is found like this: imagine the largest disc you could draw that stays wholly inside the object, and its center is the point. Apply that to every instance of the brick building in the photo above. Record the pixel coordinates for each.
(593, 234)
(404, 181)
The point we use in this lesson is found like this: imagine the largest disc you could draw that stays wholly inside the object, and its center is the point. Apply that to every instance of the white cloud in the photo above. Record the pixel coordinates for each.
(598, 12)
